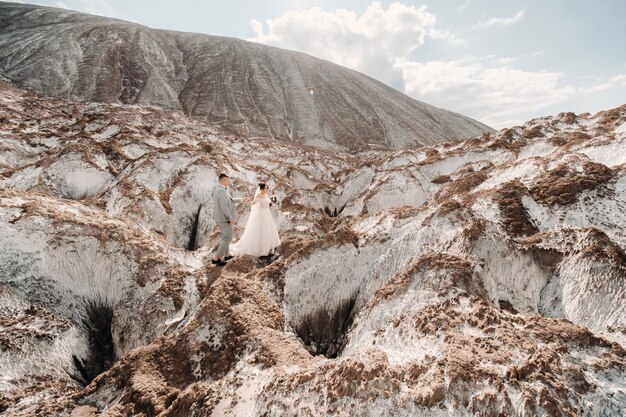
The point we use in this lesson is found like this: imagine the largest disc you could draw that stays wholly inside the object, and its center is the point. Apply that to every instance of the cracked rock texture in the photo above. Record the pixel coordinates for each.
(479, 277)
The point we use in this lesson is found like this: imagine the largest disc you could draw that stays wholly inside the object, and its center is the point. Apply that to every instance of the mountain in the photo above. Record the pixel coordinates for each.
(248, 89)
(480, 278)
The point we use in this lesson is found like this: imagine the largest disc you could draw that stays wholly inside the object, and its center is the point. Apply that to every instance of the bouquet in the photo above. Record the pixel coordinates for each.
(274, 200)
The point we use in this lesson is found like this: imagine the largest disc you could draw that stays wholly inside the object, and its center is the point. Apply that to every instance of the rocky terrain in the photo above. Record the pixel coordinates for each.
(242, 87)
(472, 278)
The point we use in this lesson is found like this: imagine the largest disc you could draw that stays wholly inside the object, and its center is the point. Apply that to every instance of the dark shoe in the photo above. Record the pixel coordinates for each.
(219, 262)
(228, 258)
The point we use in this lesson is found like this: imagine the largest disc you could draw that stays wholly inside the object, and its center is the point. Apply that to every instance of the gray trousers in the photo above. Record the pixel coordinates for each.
(226, 236)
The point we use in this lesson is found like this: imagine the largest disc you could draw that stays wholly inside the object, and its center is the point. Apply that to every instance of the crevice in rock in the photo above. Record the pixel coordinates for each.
(334, 212)
(506, 305)
(324, 332)
(193, 236)
(101, 353)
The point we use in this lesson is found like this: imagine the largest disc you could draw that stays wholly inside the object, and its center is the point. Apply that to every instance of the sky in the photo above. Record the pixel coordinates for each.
(499, 62)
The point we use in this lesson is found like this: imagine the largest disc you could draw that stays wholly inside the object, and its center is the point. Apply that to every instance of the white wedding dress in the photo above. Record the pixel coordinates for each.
(260, 236)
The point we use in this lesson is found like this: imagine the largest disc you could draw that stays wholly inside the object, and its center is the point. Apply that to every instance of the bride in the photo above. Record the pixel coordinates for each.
(260, 236)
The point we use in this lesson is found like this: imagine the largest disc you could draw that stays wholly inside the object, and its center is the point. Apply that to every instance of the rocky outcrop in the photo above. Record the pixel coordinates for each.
(481, 277)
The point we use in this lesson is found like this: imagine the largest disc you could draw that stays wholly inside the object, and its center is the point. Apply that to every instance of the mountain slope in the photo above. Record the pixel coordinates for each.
(243, 87)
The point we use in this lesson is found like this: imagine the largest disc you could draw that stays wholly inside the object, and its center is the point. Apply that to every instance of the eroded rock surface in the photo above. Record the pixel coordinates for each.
(482, 277)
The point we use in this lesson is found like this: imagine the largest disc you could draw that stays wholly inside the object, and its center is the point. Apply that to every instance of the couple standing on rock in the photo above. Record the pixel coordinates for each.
(260, 237)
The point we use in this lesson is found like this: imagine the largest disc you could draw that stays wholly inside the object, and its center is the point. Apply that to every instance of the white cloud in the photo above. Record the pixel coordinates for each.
(500, 21)
(445, 35)
(463, 6)
(615, 81)
(380, 42)
(370, 42)
(487, 91)
(61, 4)
(509, 60)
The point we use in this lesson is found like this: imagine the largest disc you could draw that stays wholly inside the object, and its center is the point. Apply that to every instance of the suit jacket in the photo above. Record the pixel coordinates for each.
(223, 204)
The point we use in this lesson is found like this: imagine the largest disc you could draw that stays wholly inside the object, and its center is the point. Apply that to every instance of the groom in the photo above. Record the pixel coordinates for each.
(224, 216)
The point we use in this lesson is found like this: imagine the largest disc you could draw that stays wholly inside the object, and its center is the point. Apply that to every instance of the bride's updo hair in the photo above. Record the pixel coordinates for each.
(262, 185)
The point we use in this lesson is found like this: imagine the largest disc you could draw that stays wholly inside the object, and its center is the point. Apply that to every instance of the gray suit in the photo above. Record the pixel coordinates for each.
(223, 211)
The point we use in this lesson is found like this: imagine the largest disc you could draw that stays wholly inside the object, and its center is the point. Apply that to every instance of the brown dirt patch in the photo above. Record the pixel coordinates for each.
(463, 185)
(441, 179)
(563, 184)
(568, 140)
(515, 216)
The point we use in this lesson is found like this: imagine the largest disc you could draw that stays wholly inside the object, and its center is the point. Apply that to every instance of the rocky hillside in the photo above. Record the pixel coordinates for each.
(238, 86)
(484, 277)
